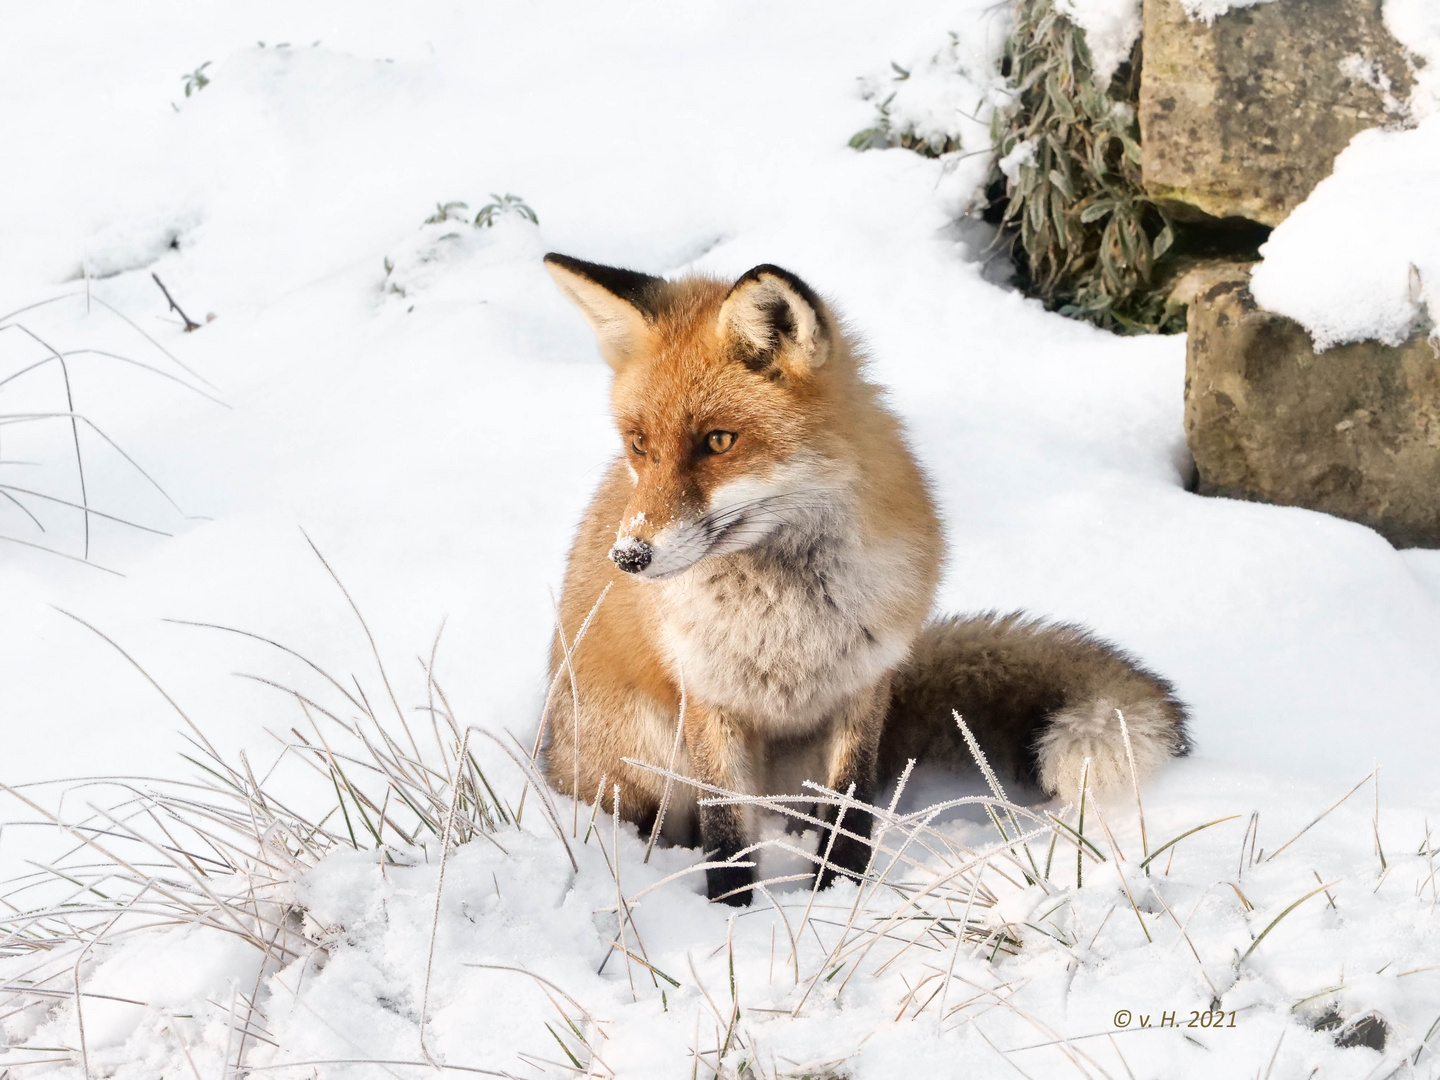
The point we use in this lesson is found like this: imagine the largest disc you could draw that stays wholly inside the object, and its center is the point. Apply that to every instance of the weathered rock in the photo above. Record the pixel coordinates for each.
(1244, 116)
(1353, 431)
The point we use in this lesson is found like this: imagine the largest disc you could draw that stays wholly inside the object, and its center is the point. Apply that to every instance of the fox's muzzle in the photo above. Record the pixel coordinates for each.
(631, 554)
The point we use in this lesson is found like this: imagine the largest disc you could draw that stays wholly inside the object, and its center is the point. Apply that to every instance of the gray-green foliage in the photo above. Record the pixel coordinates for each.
(1087, 238)
(450, 211)
(491, 212)
(500, 205)
(196, 80)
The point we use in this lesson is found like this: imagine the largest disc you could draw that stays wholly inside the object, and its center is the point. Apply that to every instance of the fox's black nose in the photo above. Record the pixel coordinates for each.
(631, 554)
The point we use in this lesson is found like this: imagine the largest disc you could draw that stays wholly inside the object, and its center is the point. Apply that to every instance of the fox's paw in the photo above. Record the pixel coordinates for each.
(1092, 730)
(730, 884)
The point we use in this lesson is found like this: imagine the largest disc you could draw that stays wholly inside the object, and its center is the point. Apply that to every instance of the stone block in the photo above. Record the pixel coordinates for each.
(1244, 116)
(1353, 431)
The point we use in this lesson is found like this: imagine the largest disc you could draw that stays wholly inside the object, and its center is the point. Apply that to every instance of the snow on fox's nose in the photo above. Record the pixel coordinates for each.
(631, 554)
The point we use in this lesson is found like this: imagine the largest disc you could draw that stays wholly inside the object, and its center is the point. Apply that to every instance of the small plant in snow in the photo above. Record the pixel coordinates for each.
(196, 80)
(449, 211)
(890, 130)
(501, 205)
(446, 235)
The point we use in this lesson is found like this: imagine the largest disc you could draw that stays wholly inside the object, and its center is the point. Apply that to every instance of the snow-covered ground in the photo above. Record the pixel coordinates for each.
(423, 404)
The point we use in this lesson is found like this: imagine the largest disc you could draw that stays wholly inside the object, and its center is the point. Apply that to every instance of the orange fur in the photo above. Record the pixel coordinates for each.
(697, 362)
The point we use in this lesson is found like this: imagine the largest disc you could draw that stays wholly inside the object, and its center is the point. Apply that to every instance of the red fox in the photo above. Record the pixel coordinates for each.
(772, 549)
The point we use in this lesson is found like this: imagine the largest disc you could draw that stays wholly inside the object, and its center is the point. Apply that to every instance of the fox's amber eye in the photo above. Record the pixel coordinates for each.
(717, 442)
(637, 444)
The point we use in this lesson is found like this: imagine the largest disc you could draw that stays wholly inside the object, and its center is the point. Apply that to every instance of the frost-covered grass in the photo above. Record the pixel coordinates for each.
(370, 902)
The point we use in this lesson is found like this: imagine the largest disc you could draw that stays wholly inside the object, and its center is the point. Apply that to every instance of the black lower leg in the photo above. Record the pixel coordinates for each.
(722, 834)
(849, 854)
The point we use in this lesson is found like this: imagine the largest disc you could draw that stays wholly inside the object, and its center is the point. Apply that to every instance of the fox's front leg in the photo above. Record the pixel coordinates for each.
(721, 754)
(853, 758)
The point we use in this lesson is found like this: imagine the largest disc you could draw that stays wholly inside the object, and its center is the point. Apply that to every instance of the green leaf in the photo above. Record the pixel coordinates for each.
(1163, 241)
(1059, 207)
(1058, 98)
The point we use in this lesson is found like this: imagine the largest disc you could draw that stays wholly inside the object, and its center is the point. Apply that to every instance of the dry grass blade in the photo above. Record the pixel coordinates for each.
(568, 652)
(1323, 815)
(1188, 832)
(670, 770)
(439, 891)
(1275, 921)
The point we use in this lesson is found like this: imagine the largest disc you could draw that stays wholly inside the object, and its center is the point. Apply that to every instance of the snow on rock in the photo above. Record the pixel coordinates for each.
(1209, 10)
(1360, 258)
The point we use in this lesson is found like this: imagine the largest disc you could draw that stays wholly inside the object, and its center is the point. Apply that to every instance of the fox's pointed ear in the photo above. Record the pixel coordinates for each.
(620, 305)
(774, 323)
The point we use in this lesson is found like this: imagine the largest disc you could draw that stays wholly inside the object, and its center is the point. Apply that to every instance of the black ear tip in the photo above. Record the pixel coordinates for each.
(642, 291)
(755, 273)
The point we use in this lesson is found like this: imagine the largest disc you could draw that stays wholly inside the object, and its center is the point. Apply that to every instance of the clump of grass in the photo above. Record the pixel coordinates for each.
(221, 851)
(1085, 237)
(40, 485)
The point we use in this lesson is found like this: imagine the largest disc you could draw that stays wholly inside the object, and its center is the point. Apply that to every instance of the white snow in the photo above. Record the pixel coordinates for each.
(1416, 25)
(1011, 163)
(1111, 27)
(436, 428)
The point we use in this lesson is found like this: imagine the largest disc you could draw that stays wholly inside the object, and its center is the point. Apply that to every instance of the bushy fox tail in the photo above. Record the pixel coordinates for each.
(1039, 697)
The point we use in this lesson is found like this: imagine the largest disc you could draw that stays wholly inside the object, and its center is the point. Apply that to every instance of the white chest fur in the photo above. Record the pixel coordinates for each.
(784, 632)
